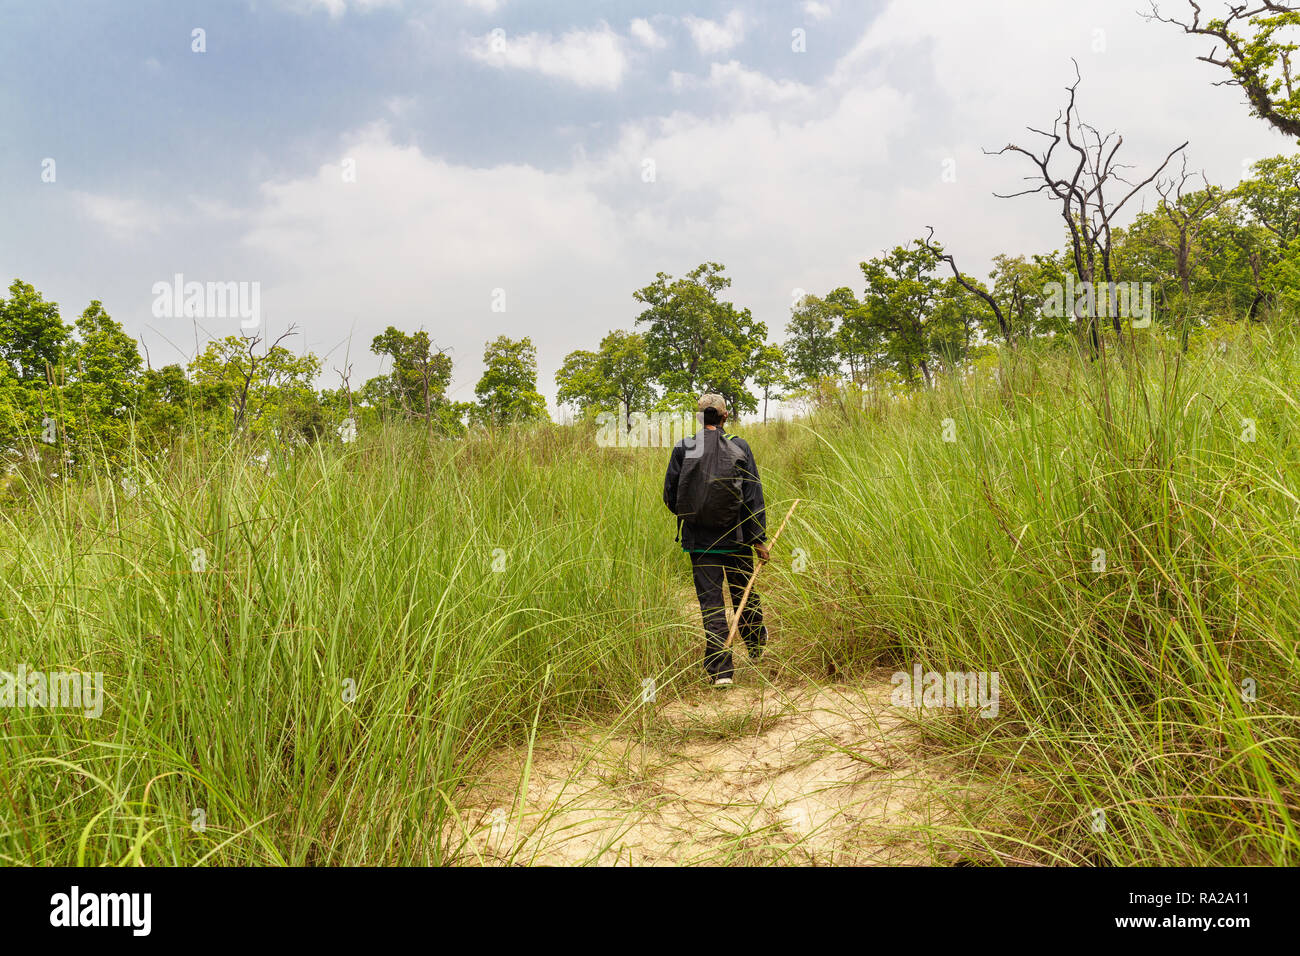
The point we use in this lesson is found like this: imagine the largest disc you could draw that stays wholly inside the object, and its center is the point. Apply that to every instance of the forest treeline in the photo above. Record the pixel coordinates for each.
(1209, 254)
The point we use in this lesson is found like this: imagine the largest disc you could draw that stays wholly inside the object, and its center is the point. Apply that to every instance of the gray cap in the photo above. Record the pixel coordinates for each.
(713, 400)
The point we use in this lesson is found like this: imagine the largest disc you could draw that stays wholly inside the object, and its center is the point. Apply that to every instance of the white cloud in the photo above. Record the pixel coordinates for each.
(710, 36)
(756, 183)
(485, 6)
(646, 34)
(126, 218)
(588, 58)
(816, 11)
(743, 86)
(420, 241)
(121, 218)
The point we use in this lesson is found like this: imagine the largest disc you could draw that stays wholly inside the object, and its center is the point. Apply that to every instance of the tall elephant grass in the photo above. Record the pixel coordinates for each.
(1119, 541)
(304, 658)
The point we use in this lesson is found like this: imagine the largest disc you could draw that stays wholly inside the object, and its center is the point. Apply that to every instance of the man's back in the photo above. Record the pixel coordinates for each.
(750, 529)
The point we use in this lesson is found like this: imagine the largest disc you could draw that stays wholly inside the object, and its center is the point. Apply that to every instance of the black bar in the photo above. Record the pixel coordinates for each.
(904, 906)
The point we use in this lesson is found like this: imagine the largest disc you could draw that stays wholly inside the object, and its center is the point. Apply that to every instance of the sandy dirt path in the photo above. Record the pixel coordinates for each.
(768, 772)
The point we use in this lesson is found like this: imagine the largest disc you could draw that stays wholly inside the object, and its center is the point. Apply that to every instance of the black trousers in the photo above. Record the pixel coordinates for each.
(710, 571)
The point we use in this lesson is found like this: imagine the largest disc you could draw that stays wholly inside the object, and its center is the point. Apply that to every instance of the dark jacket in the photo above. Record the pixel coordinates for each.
(753, 527)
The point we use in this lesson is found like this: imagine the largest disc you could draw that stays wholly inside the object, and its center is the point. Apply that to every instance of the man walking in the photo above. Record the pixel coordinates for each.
(712, 486)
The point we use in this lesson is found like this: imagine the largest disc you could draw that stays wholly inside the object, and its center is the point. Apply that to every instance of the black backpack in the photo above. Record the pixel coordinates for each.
(710, 489)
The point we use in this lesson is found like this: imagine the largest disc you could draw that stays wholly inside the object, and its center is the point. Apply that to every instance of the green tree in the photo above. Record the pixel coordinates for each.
(260, 390)
(165, 396)
(617, 374)
(696, 342)
(957, 320)
(1284, 276)
(419, 379)
(15, 421)
(857, 342)
(811, 347)
(33, 338)
(901, 293)
(380, 393)
(771, 374)
(507, 392)
(623, 363)
(1052, 269)
(578, 384)
(104, 389)
(34, 343)
(1271, 197)
(1019, 285)
(1254, 42)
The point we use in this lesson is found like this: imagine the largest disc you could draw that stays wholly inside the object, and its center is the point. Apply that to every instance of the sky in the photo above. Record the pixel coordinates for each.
(486, 167)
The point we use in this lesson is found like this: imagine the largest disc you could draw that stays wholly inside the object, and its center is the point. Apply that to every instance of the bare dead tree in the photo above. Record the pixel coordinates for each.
(937, 251)
(345, 376)
(1248, 57)
(1080, 190)
(249, 372)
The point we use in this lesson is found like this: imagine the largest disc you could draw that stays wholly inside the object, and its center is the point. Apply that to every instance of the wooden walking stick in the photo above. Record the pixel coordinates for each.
(744, 598)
